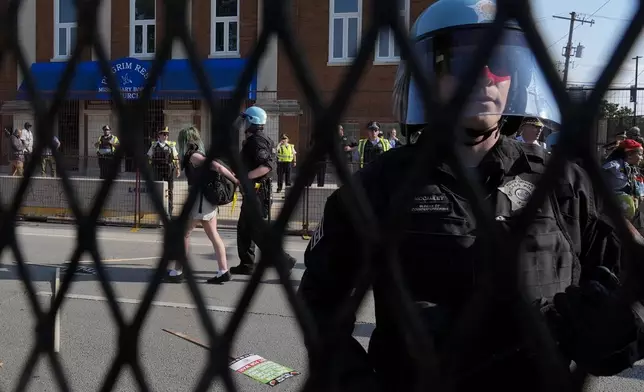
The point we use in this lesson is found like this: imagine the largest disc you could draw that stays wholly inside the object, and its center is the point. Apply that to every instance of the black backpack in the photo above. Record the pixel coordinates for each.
(217, 189)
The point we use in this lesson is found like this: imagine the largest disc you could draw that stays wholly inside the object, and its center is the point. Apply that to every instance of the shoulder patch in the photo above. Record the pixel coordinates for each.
(263, 153)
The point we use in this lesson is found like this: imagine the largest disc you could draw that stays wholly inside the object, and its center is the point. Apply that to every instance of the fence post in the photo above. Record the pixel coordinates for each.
(305, 214)
(137, 202)
(55, 286)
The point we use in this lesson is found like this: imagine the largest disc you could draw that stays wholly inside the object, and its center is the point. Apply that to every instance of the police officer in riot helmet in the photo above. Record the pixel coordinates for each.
(443, 255)
(260, 157)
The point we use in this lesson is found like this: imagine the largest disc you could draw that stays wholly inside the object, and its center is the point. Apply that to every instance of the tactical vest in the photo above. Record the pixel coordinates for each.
(162, 155)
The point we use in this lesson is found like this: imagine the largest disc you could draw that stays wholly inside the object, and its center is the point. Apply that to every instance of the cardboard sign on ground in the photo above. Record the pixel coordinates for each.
(254, 366)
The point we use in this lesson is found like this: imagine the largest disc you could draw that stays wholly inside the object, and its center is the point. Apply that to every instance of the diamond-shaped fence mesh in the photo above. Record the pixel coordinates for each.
(324, 119)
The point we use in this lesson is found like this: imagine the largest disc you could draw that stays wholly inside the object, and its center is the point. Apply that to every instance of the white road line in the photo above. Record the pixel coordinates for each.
(139, 240)
(224, 309)
(176, 305)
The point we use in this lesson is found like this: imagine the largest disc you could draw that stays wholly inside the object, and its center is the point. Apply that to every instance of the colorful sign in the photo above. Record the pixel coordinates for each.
(251, 365)
(131, 76)
(262, 370)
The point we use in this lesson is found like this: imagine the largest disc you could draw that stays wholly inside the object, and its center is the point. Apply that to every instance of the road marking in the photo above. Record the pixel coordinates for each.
(202, 244)
(176, 305)
(224, 309)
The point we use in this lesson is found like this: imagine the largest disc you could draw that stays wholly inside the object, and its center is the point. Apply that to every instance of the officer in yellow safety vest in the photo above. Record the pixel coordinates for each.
(105, 149)
(164, 159)
(286, 160)
(373, 145)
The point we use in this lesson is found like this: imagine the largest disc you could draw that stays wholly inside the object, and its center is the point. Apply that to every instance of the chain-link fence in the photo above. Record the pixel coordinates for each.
(324, 118)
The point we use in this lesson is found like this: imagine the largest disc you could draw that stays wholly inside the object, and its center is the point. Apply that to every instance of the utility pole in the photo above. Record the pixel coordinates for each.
(637, 63)
(568, 50)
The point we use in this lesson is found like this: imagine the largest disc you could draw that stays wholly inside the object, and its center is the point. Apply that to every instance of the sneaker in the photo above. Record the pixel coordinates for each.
(220, 278)
(242, 270)
(173, 277)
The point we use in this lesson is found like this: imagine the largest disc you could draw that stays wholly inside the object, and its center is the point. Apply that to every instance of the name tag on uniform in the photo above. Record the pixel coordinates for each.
(431, 202)
(518, 191)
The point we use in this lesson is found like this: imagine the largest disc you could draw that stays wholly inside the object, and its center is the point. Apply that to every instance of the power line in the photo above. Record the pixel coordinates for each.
(612, 18)
(592, 15)
(633, 80)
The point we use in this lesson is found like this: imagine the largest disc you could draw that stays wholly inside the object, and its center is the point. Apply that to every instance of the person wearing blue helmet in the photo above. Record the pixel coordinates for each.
(568, 258)
(551, 141)
(259, 154)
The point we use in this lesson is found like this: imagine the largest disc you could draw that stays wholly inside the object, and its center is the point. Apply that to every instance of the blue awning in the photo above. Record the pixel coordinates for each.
(47, 77)
(177, 81)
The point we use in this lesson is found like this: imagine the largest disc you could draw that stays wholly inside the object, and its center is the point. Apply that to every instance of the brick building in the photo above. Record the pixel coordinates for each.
(329, 32)
(225, 32)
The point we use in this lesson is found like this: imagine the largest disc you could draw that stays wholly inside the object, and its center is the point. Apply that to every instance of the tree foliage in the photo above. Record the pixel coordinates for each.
(613, 110)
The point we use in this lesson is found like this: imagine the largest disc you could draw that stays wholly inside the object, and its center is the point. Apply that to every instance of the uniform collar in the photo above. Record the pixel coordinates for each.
(506, 156)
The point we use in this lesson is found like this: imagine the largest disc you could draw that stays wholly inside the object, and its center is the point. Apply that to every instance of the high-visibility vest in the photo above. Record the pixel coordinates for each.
(103, 145)
(285, 152)
(385, 147)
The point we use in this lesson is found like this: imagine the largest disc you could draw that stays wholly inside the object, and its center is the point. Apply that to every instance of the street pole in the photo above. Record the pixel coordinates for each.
(573, 15)
(573, 19)
(637, 62)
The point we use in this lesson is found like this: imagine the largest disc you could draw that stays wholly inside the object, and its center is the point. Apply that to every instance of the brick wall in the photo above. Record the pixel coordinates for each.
(372, 99)
(45, 32)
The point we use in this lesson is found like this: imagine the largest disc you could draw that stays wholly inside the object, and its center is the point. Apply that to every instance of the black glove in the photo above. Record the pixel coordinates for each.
(596, 328)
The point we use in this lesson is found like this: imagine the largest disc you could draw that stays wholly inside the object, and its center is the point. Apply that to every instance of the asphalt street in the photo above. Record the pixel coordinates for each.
(89, 334)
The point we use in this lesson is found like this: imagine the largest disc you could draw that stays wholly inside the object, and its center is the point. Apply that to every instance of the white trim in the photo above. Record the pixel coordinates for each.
(144, 23)
(345, 17)
(391, 58)
(68, 27)
(226, 20)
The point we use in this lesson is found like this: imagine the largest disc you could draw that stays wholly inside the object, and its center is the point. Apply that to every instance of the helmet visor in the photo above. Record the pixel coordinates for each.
(242, 123)
(510, 84)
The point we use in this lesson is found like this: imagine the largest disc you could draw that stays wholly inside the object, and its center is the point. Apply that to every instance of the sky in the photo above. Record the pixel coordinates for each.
(600, 39)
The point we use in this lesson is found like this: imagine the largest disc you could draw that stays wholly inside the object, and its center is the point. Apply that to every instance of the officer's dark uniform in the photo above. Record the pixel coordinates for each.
(258, 150)
(368, 151)
(105, 150)
(320, 170)
(443, 254)
(164, 160)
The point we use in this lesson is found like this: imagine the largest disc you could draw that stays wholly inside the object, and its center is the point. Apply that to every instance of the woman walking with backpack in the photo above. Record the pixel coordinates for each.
(192, 152)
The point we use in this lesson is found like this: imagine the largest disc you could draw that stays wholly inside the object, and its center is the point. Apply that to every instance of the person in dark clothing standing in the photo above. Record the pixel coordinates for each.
(105, 149)
(569, 258)
(260, 156)
(164, 159)
(347, 144)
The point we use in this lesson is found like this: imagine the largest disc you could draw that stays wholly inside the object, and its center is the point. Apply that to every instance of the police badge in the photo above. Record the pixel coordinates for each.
(518, 191)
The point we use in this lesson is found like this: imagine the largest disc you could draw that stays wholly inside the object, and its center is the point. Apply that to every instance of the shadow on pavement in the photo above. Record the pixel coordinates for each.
(123, 273)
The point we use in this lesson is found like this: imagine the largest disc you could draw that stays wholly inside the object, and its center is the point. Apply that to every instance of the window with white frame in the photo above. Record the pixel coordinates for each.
(142, 27)
(65, 24)
(345, 25)
(224, 36)
(387, 49)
